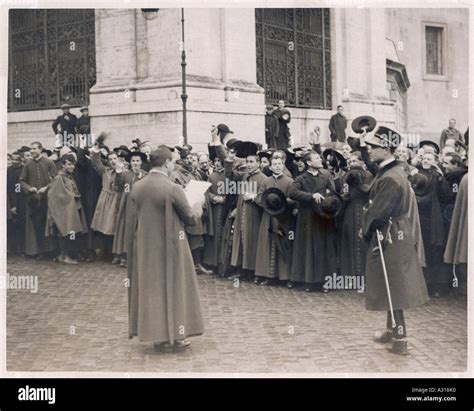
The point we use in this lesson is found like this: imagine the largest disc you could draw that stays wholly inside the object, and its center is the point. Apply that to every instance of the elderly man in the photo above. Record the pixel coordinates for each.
(451, 132)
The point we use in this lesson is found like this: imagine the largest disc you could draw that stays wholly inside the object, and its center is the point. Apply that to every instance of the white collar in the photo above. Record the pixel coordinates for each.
(313, 173)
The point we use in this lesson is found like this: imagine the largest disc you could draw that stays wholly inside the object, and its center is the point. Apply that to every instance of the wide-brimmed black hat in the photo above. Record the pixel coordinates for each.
(384, 137)
(48, 152)
(274, 201)
(354, 142)
(355, 178)
(136, 153)
(330, 207)
(245, 149)
(265, 154)
(24, 148)
(419, 183)
(334, 158)
(230, 144)
(363, 121)
(429, 143)
(122, 151)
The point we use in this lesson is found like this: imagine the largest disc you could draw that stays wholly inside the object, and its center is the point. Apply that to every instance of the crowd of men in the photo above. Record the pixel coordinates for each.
(296, 220)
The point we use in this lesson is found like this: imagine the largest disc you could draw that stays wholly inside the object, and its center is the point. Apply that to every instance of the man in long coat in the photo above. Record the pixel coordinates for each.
(17, 202)
(248, 215)
(314, 249)
(388, 215)
(457, 245)
(65, 125)
(284, 118)
(275, 238)
(34, 181)
(272, 127)
(66, 218)
(164, 305)
(338, 125)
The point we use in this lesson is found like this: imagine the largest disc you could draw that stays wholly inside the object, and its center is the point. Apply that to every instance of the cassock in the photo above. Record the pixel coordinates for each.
(314, 249)
(83, 125)
(284, 118)
(16, 199)
(434, 228)
(272, 130)
(353, 249)
(65, 211)
(164, 302)
(213, 241)
(246, 225)
(457, 245)
(89, 184)
(37, 172)
(124, 182)
(390, 200)
(274, 245)
(106, 210)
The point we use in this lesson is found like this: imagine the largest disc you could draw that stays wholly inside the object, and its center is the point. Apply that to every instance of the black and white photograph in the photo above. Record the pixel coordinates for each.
(236, 189)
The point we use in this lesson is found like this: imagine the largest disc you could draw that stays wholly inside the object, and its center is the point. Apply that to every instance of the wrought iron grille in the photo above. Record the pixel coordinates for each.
(51, 58)
(294, 56)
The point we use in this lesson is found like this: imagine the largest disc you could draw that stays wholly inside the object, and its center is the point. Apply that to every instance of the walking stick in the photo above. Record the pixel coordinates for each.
(386, 278)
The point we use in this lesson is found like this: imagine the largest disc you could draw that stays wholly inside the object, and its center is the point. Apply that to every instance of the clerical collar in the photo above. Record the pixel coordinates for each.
(313, 173)
(386, 162)
(158, 172)
(277, 176)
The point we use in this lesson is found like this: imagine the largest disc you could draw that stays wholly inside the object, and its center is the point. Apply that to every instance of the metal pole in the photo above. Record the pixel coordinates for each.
(377, 233)
(184, 96)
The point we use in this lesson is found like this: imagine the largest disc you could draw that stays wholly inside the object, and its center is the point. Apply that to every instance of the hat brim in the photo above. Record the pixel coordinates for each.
(363, 121)
(284, 202)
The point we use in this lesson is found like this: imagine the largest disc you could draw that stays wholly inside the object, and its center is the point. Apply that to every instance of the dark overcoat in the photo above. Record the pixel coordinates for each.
(390, 200)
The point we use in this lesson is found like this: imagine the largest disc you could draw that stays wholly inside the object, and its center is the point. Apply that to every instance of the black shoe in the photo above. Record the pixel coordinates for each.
(265, 282)
(256, 280)
(290, 285)
(383, 337)
(399, 346)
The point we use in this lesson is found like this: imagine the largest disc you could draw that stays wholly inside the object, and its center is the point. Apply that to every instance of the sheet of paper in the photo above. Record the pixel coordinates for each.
(195, 191)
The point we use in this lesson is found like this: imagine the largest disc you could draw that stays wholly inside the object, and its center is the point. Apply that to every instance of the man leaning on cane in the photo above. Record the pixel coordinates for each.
(394, 278)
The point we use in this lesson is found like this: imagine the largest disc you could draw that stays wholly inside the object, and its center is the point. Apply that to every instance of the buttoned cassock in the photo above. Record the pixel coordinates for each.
(37, 173)
(270, 261)
(314, 249)
(390, 199)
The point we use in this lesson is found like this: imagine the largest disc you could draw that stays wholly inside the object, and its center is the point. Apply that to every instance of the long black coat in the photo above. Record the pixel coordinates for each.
(67, 125)
(272, 127)
(390, 196)
(314, 250)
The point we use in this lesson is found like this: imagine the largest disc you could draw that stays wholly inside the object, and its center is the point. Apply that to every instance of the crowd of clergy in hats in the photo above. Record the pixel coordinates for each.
(295, 222)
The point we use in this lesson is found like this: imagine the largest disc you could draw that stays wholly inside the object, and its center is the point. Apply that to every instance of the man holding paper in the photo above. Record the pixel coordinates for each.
(164, 305)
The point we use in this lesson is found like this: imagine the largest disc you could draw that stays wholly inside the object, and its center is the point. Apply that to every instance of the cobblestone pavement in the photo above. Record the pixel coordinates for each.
(77, 321)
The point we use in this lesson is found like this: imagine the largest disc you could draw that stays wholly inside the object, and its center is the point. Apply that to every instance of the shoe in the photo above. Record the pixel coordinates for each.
(180, 345)
(265, 282)
(383, 337)
(290, 285)
(123, 262)
(69, 260)
(309, 289)
(399, 346)
(203, 269)
(116, 260)
(256, 280)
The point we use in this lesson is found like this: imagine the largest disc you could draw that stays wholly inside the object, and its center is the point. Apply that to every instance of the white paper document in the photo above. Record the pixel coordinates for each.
(195, 191)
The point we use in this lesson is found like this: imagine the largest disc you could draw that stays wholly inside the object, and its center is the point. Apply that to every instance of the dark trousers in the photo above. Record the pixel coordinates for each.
(399, 330)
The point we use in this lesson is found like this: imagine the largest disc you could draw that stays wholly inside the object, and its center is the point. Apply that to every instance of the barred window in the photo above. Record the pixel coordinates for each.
(294, 56)
(51, 58)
